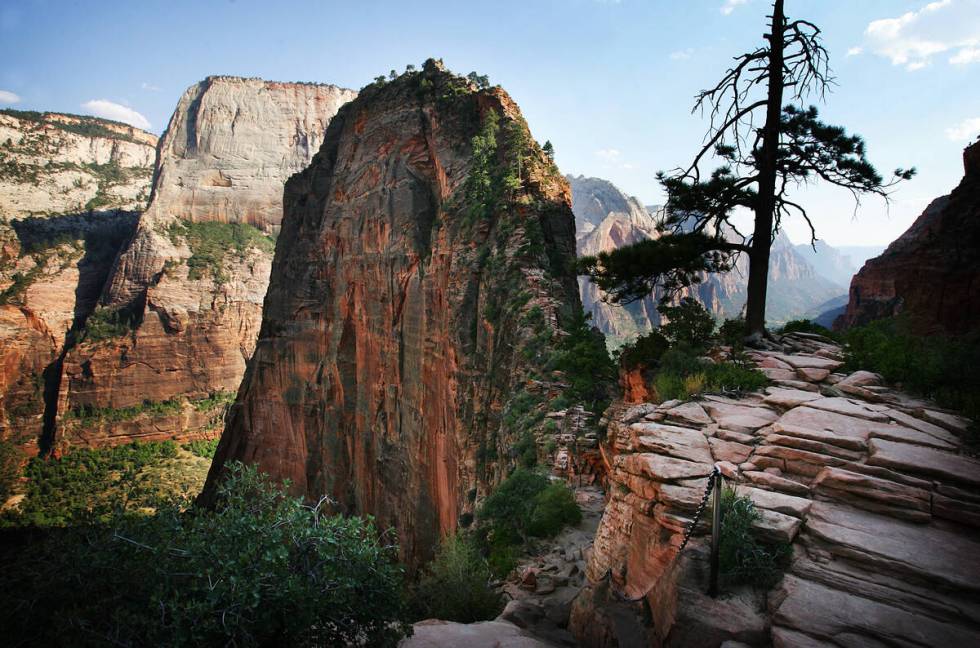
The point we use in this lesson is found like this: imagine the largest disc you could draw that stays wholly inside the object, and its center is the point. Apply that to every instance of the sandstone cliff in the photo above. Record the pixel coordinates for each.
(64, 181)
(422, 274)
(179, 315)
(931, 273)
(607, 219)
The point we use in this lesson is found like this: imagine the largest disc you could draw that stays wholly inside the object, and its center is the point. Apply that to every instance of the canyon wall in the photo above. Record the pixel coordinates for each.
(607, 219)
(422, 275)
(930, 274)
(67, 185)
(165, 351)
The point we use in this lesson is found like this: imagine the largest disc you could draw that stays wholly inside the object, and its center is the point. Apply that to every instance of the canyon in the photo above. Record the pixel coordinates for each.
(607, 219)
(930, 274)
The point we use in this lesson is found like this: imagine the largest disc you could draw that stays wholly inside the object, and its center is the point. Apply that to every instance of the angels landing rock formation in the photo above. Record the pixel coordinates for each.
(179, 315)
(931, 273)
(422, 274)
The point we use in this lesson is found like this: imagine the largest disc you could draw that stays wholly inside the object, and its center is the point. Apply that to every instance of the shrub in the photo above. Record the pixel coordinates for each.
(455, 585)
(105, 323)
(584, 359)
(202, 447)
(743, 559)
(526, 450)
(259, 569)
(806, 326)
(211, 243)
(528, 504)
(688, 322)
(683, 375)
(944, 368)
(554, 507)
(646, 350)
(732, 332)
(11, 457)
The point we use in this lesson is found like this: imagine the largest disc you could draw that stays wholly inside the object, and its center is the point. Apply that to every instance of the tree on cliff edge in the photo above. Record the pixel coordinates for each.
(760, 164)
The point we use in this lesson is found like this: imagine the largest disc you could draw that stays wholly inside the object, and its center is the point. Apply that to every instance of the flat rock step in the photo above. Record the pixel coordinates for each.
(927, 461)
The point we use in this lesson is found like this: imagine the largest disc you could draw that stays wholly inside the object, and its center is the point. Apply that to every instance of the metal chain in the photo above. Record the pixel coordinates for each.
(712, 478)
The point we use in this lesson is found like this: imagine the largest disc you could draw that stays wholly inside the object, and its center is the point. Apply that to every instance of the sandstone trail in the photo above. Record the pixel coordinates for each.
(872, 488)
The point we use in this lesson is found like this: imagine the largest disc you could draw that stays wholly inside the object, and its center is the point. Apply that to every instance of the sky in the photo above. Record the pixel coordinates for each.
(609, 82)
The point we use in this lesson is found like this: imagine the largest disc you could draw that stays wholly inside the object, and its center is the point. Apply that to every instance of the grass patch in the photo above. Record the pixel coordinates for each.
(211, 243)
(204, 448)
(743, 559)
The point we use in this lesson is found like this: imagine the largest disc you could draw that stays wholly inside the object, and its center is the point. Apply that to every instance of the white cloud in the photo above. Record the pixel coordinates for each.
(730, 6)
(7, 97)
(681, 55)
(117, 112)
(609, 155)
(964, 131)
(854, 51)
(914, 38)
(150, 87)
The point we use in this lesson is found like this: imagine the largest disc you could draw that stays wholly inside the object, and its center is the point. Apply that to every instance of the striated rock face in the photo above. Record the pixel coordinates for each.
(874, 491)
(180, 313)
(54, 164)
(932, 272)
(422, 273)
(64, 180)
(607, 219)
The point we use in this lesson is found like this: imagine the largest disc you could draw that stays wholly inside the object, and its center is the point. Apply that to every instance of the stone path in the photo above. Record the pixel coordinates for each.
(872, 487)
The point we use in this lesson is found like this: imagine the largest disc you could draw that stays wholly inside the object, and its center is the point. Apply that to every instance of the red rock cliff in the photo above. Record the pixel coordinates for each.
(931, 273)
(424, 263)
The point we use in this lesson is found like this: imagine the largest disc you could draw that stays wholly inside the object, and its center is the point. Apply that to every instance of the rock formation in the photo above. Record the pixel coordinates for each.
(180, 313)
(607, 219)
(873, 489)
(931, 273)
(422, 274)
(65, 181)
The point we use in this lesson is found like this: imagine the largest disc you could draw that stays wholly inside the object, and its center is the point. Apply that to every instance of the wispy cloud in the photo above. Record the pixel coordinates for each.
(915, 38)
(7, 97)
(150, 87)
(609, 154)
(964, 131)
(117, 112)
(681, 55)
(731, 5)
(854, 51)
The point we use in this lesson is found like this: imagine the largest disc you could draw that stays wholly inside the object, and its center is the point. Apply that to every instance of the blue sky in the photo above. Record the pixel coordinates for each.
(608, 82)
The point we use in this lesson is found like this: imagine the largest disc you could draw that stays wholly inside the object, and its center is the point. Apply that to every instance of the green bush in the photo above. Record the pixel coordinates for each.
(527, 504)
(646, 351)
(92, 414)
(11, 457)
(211, 243)
(202, 447)
(259, 569)
(732, 332)
(806, 326)
(583, 358)
(683, 375)
(743, 559)
(455, 585)
(526, 450)
(688, 322)
(105, 323)
(944, 368)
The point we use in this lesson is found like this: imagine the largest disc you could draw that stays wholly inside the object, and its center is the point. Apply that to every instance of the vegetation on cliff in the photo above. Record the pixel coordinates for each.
(743, 558)
(212, 242)
(259, 569)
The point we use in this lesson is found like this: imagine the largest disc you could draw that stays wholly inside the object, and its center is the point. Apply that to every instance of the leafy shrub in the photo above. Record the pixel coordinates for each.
(732, 332)
(806, 326)
(583, 358)
(645, 351)
(688, 322)
(92, 414)
(527, 504)
(106, 323)
(743, 559)
(202, 447)
(260, 569)
(683, 375)
(455, 585)
(944, 368)
(211, 243)
(526, 450)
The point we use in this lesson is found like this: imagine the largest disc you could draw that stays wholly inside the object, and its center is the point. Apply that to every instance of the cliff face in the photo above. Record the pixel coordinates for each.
(179, 315)
(932, 272)
(422, 273)
(607, 219)
(64, 180)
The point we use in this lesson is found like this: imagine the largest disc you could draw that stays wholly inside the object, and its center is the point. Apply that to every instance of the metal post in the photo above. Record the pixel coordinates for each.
(715, 534)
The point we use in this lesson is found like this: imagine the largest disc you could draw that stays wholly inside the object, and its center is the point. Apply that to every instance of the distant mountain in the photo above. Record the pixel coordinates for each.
(607, 219)
(838, 264)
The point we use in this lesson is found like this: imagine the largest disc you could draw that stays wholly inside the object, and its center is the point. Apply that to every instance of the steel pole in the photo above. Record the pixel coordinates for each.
(715, 535)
